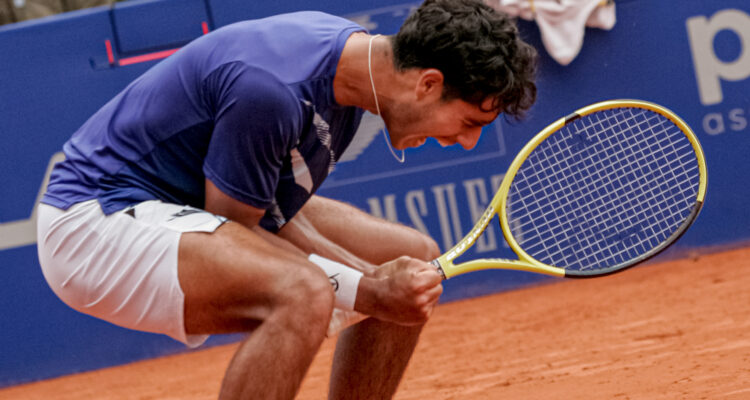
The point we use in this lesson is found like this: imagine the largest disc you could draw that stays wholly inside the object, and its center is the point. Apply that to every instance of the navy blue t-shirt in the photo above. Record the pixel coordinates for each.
(249, 106)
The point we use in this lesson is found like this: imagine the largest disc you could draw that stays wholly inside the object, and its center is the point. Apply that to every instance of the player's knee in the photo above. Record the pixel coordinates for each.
(311, 299)
(319, 297)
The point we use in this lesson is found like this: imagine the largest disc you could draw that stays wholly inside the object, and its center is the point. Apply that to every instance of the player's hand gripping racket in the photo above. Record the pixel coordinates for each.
(597, 191)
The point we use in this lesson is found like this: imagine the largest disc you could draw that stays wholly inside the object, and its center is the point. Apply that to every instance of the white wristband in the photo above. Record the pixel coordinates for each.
(344, 279)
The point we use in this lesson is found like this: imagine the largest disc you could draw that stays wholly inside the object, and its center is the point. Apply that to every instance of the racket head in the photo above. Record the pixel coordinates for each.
(631, 180)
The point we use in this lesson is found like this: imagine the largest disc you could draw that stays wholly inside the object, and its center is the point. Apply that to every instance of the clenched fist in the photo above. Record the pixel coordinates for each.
(403, 291)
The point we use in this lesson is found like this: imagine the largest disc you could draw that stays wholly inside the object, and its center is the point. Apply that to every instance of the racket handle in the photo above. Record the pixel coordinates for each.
(436, 263)
(342, 319)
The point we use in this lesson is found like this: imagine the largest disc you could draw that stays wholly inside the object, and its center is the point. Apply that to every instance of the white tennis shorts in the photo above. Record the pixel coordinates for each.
(122, 267)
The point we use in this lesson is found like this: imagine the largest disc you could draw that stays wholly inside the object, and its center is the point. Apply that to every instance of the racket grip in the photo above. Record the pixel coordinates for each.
(342, 319)
(436, 264)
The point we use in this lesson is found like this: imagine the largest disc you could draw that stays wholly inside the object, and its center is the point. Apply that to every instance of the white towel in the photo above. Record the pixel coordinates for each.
(562, 23)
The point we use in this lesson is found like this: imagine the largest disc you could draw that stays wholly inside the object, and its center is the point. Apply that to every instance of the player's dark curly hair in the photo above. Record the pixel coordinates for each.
(477, 49)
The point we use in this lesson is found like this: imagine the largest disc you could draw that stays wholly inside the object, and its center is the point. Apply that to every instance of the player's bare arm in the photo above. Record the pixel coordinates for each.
(369, 238)
(403, 290)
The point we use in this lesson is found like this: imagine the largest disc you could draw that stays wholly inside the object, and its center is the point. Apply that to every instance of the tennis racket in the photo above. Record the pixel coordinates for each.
(598, 191)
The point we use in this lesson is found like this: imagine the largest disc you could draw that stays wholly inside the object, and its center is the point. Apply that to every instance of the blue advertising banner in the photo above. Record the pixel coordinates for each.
(690, 56)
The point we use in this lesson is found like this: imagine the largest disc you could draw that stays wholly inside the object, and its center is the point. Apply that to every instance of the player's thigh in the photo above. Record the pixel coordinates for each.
(371, 238)
(233, 279)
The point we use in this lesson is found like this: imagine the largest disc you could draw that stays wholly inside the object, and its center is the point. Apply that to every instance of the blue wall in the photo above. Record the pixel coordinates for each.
(57, 71)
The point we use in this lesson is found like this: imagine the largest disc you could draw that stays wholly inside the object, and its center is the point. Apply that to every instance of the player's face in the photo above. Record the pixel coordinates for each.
(449, 122)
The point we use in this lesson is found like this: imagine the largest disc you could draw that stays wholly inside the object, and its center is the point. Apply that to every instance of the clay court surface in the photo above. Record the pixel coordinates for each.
(674, 330)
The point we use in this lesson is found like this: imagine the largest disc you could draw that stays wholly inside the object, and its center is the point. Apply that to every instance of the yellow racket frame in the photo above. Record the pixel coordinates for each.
(498, 204)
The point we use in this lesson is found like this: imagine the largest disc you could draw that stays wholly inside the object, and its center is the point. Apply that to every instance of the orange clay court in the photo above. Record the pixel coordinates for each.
(672, 330)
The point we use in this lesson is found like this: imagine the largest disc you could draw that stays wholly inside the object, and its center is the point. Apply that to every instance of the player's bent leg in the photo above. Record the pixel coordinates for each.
(234, 281)
(371, 356)
(123, 268)
(370, 359)
(232, 277)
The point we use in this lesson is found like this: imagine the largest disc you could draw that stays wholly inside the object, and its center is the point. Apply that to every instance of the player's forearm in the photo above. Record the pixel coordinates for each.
(370, 238)
(300, 232)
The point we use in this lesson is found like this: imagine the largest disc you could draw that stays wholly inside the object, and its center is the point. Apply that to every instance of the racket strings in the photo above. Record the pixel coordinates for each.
(608, 177)
(626, 210)
(603, 190)
(633, 189)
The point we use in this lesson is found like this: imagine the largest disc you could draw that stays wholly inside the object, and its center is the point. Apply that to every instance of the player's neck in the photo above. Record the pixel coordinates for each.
(352, 85)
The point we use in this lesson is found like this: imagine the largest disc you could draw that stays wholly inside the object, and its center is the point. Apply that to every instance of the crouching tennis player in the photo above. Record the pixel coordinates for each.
(185, 205)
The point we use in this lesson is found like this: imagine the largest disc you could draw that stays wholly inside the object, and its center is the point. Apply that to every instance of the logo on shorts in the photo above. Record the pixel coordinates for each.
(184, 212)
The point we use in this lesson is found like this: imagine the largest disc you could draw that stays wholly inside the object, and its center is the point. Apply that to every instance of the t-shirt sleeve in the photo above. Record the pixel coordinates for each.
(256, 122)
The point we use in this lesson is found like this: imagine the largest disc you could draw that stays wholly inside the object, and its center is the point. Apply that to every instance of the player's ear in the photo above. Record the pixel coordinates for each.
(429, 84)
